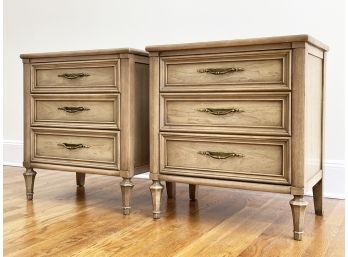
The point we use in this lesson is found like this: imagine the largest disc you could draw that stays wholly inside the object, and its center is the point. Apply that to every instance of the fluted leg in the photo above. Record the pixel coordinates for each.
(193, 191)
(29, 178)
(318, 198)
(298, 207)
(126, 188)
(80, 179)
(171, 189)
(156, 192)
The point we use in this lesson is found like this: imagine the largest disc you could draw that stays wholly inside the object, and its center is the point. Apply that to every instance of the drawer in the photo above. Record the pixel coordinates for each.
(76, 76)
(246, 158)
(76, 110)
(267, 70)
(87, 148)
(242, 113)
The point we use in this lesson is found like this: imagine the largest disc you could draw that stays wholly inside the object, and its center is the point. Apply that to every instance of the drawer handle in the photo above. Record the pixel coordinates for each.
(220, 111)
(220, 155)
(73, 75)
(73, 146)
(219, 71)
(73, 109)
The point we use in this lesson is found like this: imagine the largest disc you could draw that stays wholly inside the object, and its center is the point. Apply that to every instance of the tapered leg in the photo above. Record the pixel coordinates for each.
(298, 207)
(193, 191)
(29, 178)
(318, 198)
(171, 189)
(156, 192)
(80, 179)
(126, 188)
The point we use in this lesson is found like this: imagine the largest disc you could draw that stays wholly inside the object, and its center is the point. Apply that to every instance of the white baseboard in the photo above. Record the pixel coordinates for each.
(13, 152)
(334, 179)
(334, 170)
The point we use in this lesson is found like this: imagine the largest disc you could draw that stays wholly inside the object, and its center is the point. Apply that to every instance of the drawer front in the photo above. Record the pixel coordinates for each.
(76, 76)
(259, 159)
(249, 71)
(89, 148)
(257, 113)
(77, 110)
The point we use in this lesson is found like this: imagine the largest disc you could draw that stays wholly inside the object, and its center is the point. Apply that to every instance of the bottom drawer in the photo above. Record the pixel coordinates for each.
(89, 148)
(248, 158)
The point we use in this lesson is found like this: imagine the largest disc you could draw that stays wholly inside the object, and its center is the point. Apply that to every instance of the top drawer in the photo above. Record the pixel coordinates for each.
(76, 76)
(266, 70)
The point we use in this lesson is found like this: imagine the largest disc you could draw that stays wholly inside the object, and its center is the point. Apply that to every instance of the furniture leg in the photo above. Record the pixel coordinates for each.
(318, 198)
(193, 189)
(156, 193)
(298, 206)
(80, 179)
(29, 178)
(171, 189)
(126, 188)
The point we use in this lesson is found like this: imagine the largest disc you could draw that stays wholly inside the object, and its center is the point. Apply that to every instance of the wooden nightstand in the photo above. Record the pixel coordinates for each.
(86, 112)
(244, 114)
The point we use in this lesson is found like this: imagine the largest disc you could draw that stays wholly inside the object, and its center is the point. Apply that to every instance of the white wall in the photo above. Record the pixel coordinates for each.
(55, 25)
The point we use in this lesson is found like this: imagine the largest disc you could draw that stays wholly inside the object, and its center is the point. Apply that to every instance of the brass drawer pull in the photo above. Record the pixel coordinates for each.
(220, 155)
(73, 75)
(73, 109)
(73, 146)
(220, 111)
(219, 71)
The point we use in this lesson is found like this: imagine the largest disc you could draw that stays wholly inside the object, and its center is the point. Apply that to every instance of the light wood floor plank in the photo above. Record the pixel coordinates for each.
(173, 228)
(66, 221)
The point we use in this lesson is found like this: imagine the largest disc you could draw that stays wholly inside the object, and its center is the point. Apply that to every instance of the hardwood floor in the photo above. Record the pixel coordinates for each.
(65, 220)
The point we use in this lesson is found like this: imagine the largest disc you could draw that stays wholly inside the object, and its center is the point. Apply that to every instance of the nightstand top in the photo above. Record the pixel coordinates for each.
(85, 53)
(239, 42)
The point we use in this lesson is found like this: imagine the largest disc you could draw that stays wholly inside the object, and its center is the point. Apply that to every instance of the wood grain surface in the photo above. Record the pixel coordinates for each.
(98, 75)
(100, 148)
(240, 42)
(99, 110)
(64, 220)
(255, 113)
(258, 158)
(266, 70)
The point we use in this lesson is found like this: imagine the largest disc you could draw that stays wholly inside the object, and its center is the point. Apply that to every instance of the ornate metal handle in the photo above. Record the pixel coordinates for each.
(220, 155)
(220, 111)
(219, 71)
(73, 109)
(73, 146)
(73, 75)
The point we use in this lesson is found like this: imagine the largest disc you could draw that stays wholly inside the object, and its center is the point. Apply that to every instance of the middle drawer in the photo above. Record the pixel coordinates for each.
(78, 110)
(242, 113)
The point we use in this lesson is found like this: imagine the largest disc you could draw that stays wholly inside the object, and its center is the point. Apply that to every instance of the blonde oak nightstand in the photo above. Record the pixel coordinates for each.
(86, 112)
(245, 114)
